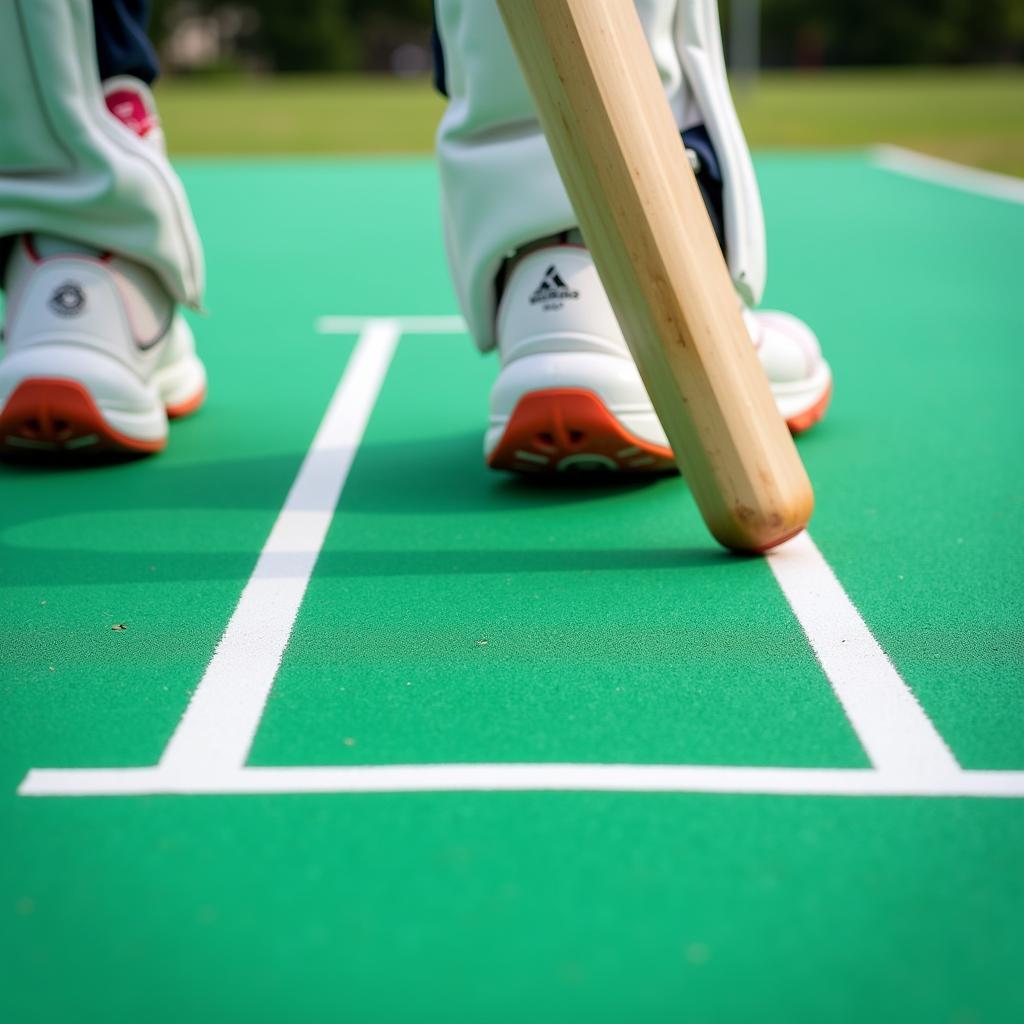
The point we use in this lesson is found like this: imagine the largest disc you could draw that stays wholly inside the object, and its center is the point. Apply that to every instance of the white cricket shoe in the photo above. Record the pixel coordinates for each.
(569, 395)
(95, 354)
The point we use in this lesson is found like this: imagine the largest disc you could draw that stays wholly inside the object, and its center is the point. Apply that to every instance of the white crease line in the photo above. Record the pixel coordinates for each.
(212, 741)
(450, 778)
(407, 324)
(897, 735)
(220, 722)
(945, 172)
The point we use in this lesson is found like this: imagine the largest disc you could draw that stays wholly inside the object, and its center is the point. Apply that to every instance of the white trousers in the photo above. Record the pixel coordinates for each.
(500, 189)
(68, 167)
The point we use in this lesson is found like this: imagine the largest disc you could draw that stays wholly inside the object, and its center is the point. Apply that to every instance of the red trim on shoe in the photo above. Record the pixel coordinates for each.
(571, 428)
(30, 249)
(33, 254)
(52, 414)
(189, 406)
(805, 420)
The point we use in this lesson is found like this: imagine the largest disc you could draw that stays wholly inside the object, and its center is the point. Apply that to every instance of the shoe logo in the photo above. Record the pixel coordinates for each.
(553, 290)
(68, 299)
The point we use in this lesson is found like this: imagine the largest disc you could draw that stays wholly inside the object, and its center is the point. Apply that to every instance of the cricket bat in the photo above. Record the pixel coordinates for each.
(622, 160)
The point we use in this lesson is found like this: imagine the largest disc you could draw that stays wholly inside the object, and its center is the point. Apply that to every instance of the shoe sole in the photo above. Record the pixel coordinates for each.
(180, 410)
(571, 429)
(806, 419)
(52, 415)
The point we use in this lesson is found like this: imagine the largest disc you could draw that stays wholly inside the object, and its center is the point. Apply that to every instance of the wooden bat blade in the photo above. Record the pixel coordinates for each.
(621, 158)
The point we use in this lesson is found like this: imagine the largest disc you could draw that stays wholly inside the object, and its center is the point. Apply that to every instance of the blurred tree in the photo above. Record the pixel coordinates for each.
(306, 35)
(360, 35)
(892, 31)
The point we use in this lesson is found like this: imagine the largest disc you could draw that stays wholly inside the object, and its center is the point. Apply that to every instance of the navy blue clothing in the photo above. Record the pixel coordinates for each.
(122, 44)
(440, 71)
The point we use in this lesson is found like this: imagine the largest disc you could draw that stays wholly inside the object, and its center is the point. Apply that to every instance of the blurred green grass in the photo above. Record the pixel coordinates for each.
(972, 115)
(298, 114)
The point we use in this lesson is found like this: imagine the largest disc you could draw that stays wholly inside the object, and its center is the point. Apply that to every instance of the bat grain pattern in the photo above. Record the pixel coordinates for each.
(622, 160)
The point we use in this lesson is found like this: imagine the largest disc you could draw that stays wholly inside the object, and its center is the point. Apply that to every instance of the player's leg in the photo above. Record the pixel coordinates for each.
(100, 249)
(568, 393)
(123, 46)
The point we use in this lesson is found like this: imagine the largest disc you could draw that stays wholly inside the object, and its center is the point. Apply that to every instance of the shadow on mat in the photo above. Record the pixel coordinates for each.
(433, 477)
(441, 476)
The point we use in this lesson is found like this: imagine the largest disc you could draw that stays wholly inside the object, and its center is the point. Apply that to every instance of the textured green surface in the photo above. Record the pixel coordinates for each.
(460, 616)
(614, 632)
(920, 468)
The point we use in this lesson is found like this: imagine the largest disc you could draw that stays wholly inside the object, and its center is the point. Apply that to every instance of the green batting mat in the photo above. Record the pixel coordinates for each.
(471, 748)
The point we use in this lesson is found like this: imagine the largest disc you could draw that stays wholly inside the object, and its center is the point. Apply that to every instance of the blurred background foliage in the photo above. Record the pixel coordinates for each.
(832, 75)
(871, 32)
(394, 35)
(294, 35)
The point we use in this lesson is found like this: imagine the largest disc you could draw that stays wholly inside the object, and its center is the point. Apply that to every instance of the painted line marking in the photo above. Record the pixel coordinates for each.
(443, 778)
(220, 722)
(909, 164)
(406, 324)
(208, 750)
(894, 730)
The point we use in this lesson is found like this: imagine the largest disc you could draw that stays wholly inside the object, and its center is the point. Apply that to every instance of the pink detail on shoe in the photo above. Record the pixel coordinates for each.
(130, 109)
(796, 330)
